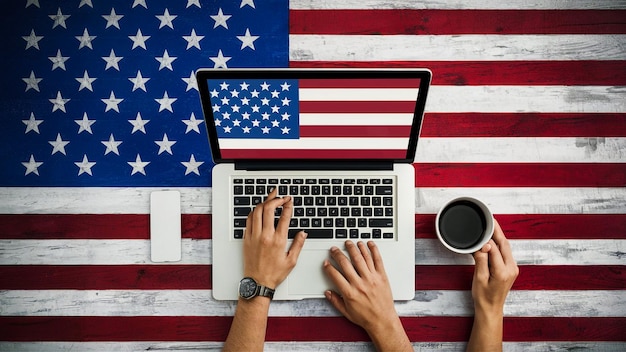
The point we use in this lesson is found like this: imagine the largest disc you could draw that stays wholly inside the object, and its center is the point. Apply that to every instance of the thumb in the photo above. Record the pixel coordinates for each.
(481, 257)
(297, 244)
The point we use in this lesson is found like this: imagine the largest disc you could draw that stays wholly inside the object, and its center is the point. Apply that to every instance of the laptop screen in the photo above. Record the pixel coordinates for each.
(355, 115)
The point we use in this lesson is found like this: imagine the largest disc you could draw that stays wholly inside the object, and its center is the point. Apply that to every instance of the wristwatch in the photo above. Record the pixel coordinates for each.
(249, 288)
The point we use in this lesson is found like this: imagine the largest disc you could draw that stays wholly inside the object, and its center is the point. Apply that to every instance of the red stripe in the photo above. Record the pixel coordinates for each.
(502, 72)
(298, 329)
(198, 277)
(94, 226)
(531, 277)
(124, 226)
(520, 175)
(356, 131)
(357, 106)
(450, 22)
(545, 226)
(328, 154)
(524, 125)
(360, 83)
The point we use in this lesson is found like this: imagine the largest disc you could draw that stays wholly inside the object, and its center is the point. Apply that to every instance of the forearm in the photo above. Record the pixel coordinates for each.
(486, 331)
(390, 337)
(247, 332)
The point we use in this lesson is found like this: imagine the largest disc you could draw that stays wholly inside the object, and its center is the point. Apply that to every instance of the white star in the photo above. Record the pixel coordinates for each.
(255, 94)
(285, 130)
(85, 124)
(255, 108)
(265, 86)
(193, 2)
(247, 40)
(112, 102)
(285, 116)
(138, 124)
(275, 123)
(85, 40)
(244, 86)
(166, 102)
(166, 61)
(32, 124)
(246, 129)
(266, 130)
(32, 82)
(58, 145)
(220, 19)
(193, 39)
(265, 101)
(226, 115)
(58, 61)
(286, 102)
(138, 165)
(218, 122)
(85, 82)
(215, 93)
(58, 103)
(113, 19)
(166, 19)
(224, 86)
(192, 165)
(59, 19)
(112, 61)
(245, 101)
(139, 39)
(32, 2)
(85, 2)
(192, 83)
(139, 82)
(192, 124)
(220, 60)
(85, 166)
(256, 123)
(246, 116)
(275, 109)
(275, 94)
(227, 129)
(247, 2)
(32, 40)
(140, 2)
(111, 145)
(165, 145)
(285, 86)
(265, 116)
(32, 165)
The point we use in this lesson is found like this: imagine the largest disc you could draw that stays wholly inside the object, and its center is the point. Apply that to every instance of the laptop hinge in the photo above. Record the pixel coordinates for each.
(318, 165)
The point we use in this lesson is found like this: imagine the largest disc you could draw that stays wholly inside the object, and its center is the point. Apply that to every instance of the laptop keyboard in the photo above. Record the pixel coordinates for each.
(325, 208)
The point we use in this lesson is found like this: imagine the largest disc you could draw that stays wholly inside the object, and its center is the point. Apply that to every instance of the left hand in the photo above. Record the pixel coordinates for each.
(265, 258)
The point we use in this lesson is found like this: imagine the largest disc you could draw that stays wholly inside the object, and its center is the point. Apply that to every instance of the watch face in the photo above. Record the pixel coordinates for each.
(247, 287)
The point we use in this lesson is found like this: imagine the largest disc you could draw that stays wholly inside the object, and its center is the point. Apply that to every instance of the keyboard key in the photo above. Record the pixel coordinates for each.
(305, 190)
(323, 181)
(341, 233)
(354, 201)
(256, 200)
(249, 181)
(273, 181)
(320, 201)
(238, 233)
(311, 181)
(384, 190)
(342, 200)
(308, 201)
(376, 233)
(239, 222)
(313, 233)
(282, 190)
(298, 181)
(388, 211)
(363, 222)
(260, 190)
(361, 181)
(261, 181)
(336, 190)
(378, 211)
(387, 235)
(238, 181)
(249, 190)
(387, 181)
(377, 201)
(358, 190)
(316, 222)
(349, 181)
(322, 211)
(297, 201)
(369, 190)
(375, 181)
(304, 223)
(326, 190)
(347, 190)
(331, 200)
(351, 222)
(340, 222)
(354, 233)
(380, 222)
(388, 201)
(356, 212)
(285, 181)
(344, 211)
(333, 211)
(365, 235)
(310, 211)
(293, 190)
(365, 201)
(293, 223)
(298, 212)
(242, 211)
(238, 190)
(336, 181)
(242, 200)
(316, 190)
(328, 222)
(367, 211)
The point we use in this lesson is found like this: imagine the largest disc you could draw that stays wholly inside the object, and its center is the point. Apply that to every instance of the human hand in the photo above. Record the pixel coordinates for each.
(365, 294)
(494, 274)
(265, 258)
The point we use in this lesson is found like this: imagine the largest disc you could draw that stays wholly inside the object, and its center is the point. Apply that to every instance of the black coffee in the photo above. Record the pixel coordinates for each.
(462, 224)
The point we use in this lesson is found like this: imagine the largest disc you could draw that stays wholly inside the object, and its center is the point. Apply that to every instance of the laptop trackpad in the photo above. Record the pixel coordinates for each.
(308, 277)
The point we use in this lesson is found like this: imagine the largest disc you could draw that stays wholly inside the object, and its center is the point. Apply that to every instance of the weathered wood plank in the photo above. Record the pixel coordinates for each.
(459, 4)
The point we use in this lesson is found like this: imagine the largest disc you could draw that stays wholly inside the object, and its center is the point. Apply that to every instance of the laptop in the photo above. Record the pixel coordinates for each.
(340, 142)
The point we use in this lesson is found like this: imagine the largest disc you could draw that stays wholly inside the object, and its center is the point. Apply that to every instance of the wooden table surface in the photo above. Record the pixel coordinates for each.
(527, 112)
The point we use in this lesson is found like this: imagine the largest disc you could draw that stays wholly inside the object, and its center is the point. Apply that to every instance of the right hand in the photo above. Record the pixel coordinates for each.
(494, 273)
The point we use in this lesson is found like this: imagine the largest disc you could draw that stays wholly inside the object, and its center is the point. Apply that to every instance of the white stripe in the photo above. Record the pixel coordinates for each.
(521, 149)
(356, 119)
(199, 252)
(524, 303)
(111, 200)
(590, 99)
(459, 4)
(299, 346)
(457, 47)
(357, 94)
(316, 143)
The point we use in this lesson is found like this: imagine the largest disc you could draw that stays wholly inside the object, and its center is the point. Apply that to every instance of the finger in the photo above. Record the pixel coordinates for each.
(256, 217)
(481, 268)
(337, 301)
(377, 258)
(349, 272)
(336, 277)
(503, 243)
(496, 263)
(269, 208)
(357, 258)
(249, 223)
(283, 223)
(296, 246)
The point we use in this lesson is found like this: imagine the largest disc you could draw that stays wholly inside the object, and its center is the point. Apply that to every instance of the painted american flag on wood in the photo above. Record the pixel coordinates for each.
(526, 111)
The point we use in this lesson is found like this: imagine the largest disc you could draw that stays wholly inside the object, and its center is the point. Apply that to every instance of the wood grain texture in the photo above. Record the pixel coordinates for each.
(458, 4)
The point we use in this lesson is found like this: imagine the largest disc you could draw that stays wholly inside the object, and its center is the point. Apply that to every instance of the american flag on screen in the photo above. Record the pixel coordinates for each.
(314, 118)
(527, 111)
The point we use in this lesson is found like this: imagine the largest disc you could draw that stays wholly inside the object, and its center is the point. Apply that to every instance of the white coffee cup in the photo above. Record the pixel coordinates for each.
(464, 225)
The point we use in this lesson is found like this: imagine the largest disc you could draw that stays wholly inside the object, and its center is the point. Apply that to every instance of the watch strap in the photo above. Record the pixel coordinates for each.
(265, 291)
